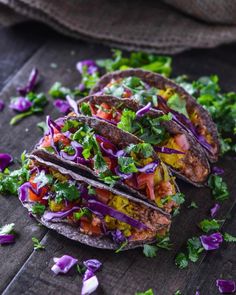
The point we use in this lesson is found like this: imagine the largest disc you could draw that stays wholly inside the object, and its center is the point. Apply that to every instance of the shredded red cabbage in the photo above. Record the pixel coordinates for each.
(92, 264)
(211, 242)
(166, 150)
(90, 281)
(59, 215)
(110, 152)
(30, 84)
(214, 210)
(89, 64)
(72, 103)
(78, 152)
(5, 160)
(149, 168)
(121, 174)
(62, 106)
(23, 191)
(143, 110)
(118, 237)
(105, 210)
(217, 170)
(7, 239)
(226, 286)
(63, 264)
(2, 105)
(51, 125)
(20, 104)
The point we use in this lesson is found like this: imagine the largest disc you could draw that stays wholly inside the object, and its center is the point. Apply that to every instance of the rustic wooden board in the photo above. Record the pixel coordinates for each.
(123, 273)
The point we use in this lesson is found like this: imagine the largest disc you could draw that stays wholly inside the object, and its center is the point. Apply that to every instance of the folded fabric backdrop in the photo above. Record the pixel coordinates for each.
(167, 26)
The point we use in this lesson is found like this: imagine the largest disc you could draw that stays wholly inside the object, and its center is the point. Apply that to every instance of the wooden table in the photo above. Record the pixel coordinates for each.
(25, 271)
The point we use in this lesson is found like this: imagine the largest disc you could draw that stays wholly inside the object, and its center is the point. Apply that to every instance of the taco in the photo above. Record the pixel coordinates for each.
(174, 146)
(101, 151)
(167, 96)
(88, 211)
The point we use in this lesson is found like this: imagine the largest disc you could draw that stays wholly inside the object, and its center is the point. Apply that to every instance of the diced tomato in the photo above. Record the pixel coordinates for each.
(131, 182)
(57, 137)
(104, 114)
(111, 163)
(92, 109)
(103, 195)
(88, 227)
(147, 180)
(37, 197)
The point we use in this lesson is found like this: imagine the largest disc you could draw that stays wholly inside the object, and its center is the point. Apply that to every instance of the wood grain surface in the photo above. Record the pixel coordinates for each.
(25, 271)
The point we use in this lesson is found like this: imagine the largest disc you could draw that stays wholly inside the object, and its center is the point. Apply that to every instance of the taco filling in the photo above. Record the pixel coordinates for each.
(57, 197)
(165, 99)
(173, 149)
(136, 166)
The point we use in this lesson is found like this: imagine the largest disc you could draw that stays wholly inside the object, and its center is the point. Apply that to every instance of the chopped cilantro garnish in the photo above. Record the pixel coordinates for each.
(150, 250)
(194, 247)
(148, 292)
(10, 181)
(181, 260)
(193, 205)
(81, 213)
(164, 243)
(85, 109)
(38, 209)
(207, 225)
(149, 62)
(66, 191)
(229, 238)
(37, 244)
(127, 165)
(145, 149)
(219, 188)
(43, 179)
(59, 91)
(146, 128)
(42, 126)
(178, 198)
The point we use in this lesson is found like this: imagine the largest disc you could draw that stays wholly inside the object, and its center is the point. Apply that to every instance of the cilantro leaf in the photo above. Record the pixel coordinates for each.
(66, 191)
(164, 243)
(181, 260)
(177, 292)
(149, 62)
(59, 91)
(37, 244)
(145, 149)
(81, 269)
(85, 109)
(38, 209)
(43, 179)
(207, 225)
(193, 205)
(229, 238)
(81, 213)
(127, 165)
(219, 188)
(148, 292)
(42, 126)
(150, 250)
(10, 181)
(178, 198)
(194, 247)
(99, 163)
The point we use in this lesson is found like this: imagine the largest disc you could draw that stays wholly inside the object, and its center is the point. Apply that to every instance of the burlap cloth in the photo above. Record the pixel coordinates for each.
(167, 26)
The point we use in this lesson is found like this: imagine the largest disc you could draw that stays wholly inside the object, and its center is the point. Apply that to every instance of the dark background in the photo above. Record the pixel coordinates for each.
(25, 271)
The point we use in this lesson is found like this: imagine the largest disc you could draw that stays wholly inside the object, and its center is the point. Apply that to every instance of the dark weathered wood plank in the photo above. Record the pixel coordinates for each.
(17, 44)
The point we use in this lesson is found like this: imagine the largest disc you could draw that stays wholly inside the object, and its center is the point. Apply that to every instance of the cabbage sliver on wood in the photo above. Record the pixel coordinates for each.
(167, 96)
(88, 211)
(105, 153)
